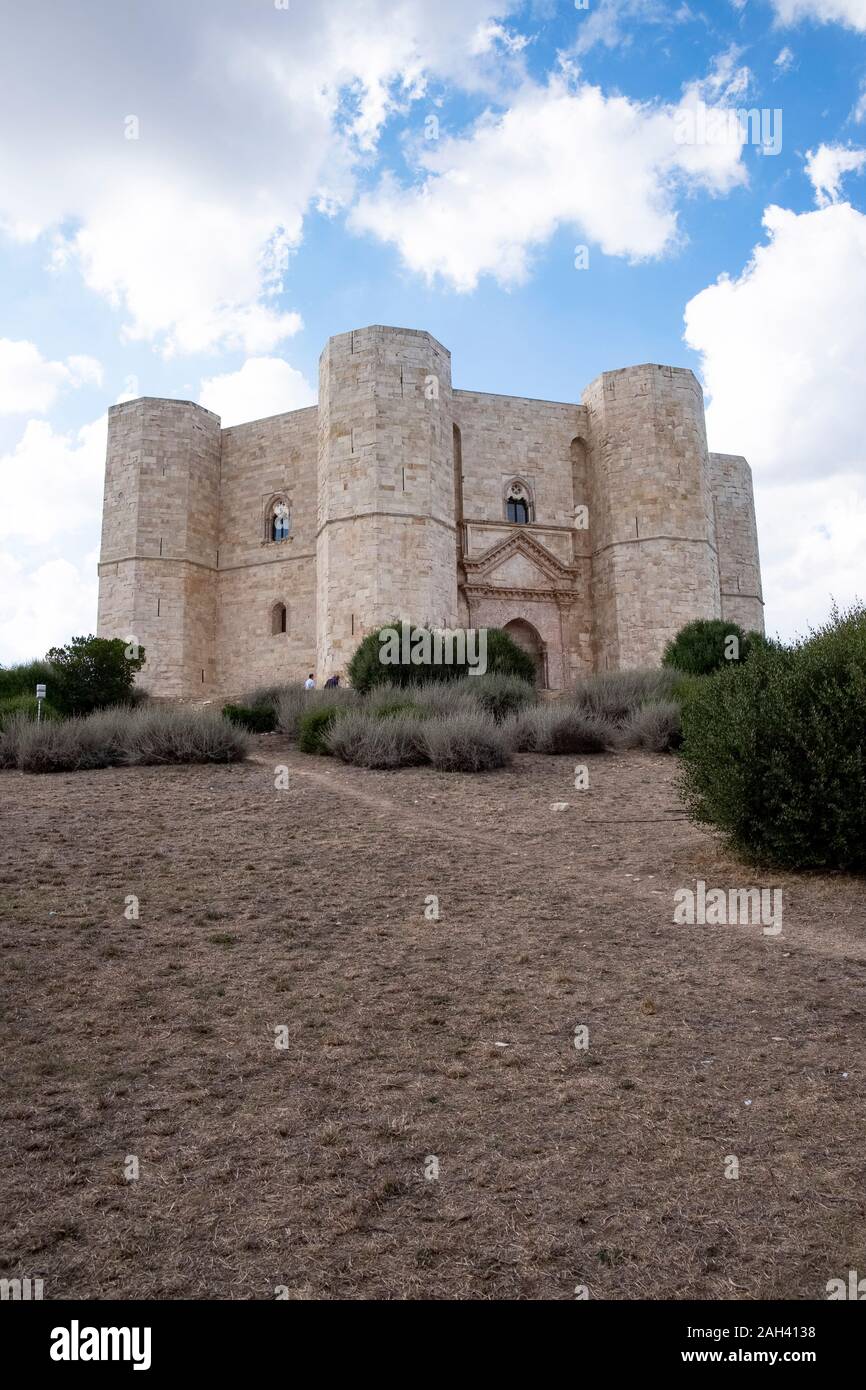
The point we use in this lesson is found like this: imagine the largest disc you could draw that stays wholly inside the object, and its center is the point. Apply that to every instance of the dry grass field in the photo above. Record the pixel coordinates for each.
(303, 1167)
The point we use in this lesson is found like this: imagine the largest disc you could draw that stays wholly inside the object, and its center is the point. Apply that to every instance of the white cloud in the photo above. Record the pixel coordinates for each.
(30, 384)
(51, 483)
(811, 539)
(51, 486)
(43, 605)
(825, 168)
(186, 272)
(605, 166)
(614, 23)
(262, 386)
(247, 116)
(783, 356)
(487, 36)
(851, 13)
(859, 112)
(728, 79)
(784, 59)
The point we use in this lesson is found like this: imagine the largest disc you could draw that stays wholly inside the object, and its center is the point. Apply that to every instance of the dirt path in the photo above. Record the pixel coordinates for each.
(411, 1039)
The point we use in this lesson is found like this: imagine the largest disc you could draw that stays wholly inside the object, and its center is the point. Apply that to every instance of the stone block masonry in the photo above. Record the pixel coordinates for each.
(591, 531)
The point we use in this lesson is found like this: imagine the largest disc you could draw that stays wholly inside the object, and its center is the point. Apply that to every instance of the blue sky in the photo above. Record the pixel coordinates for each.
(194, 197)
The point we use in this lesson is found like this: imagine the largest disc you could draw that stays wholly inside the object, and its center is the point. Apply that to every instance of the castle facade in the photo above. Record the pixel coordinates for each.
(591, 532)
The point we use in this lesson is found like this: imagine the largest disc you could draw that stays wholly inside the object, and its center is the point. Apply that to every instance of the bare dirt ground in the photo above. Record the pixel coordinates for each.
(303, 1167)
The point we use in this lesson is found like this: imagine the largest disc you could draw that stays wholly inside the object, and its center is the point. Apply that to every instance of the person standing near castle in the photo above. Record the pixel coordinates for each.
(310, 682)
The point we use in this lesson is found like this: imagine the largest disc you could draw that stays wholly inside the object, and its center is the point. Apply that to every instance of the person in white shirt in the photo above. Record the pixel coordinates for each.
(310, 682)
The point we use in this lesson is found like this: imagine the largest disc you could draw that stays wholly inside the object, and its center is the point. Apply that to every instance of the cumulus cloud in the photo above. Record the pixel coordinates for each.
(178, 179)
(262, 386)
(826, 166)
(560, 155)
(51, 483)
(783, 357)
(44, 604)
(29, 384)
(784, 59)
(851, 13)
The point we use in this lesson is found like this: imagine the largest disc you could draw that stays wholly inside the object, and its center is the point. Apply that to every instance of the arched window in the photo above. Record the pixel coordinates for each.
(517, 504)
(279, 619)
(281, 521)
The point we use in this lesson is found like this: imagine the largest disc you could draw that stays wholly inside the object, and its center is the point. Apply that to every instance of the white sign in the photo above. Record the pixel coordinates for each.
(40, 692)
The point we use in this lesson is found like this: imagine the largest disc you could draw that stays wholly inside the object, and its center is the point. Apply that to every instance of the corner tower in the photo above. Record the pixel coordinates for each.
(385, 545)
(654, 564)
(737, 541)
(157, 570)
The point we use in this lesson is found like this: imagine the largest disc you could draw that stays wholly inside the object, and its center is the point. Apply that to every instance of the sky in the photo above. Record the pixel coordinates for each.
(195, 196)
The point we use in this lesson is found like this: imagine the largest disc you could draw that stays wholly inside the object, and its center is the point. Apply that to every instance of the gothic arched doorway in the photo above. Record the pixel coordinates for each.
(526, 636)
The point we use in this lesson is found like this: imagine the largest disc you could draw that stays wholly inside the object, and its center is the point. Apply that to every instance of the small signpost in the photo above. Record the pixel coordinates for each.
(40, 696)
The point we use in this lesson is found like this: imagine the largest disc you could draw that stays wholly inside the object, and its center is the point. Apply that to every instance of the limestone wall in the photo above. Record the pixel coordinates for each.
(386, 530)
(503, 438)
(160, 521)
(737, 541)
(267, 460)
(396, 487)
(654, 558)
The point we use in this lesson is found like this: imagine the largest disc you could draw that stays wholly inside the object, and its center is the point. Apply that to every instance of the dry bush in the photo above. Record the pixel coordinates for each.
(561, 729)
(294, 702)
(466, 743)
(264, 696)
(120, 736)
(366, 740)
(657, 727)
(183, 736)
(615, 695)
(500, 695)
(446, 699)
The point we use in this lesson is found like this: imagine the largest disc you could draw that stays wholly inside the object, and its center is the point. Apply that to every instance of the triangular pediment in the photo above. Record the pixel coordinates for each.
(518, 562)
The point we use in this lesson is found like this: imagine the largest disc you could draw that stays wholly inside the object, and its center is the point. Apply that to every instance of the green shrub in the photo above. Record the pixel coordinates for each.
(561, 728)
(28, 705)
(656, 726)
(260, 719)
(465, 743)
(24, 678)
(121, 736)
(92, 673)
(684, 687)
(313, 727)
(370, 666)
(774, 752)
(368, 740)
(706, 645)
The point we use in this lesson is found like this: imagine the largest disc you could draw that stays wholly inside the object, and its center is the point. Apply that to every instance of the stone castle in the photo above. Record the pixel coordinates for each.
(259, 553)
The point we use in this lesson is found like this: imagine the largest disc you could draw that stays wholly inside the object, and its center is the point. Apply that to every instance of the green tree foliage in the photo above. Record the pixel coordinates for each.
(93, 672)
(774, 752)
